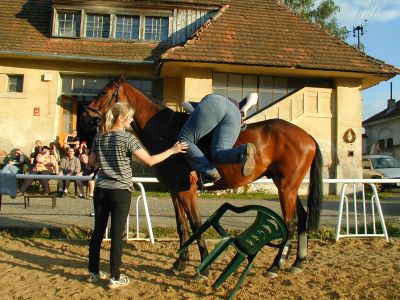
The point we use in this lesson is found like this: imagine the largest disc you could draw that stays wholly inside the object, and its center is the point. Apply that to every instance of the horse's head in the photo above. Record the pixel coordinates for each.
(113, 92)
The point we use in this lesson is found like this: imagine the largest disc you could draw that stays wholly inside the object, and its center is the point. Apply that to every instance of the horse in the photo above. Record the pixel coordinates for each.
(285, 153)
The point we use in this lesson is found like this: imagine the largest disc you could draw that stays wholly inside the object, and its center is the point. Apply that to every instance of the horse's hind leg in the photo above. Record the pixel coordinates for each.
(302, 238)
(182, 228)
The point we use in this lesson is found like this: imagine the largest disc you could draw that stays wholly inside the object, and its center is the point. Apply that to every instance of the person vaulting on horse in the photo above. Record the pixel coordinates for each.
(223, 116)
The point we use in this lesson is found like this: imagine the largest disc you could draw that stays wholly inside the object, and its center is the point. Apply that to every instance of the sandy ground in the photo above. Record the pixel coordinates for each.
(56, 269)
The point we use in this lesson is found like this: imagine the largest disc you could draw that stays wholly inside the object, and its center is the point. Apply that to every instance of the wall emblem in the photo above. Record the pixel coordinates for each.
(349, 136)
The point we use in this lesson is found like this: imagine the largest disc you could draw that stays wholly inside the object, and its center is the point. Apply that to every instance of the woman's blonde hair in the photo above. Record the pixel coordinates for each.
(118, 109)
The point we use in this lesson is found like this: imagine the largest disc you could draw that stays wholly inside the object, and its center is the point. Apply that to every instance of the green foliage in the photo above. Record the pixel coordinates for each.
(322, 14)
(325, 233)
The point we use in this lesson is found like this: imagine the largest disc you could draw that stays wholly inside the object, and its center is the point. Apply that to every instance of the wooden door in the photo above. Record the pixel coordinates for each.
(68, 118)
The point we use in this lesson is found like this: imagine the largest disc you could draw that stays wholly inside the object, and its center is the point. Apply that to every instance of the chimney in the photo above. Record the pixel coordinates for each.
(391, 104)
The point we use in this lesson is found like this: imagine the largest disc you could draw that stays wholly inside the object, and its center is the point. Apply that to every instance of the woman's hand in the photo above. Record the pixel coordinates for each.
(180, 147)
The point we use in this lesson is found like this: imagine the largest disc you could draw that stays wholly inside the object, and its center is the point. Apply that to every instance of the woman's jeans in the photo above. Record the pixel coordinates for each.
(214, 112)
(106, 201)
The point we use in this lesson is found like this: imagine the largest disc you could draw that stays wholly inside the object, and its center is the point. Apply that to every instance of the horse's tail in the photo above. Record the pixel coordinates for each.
(314, 201)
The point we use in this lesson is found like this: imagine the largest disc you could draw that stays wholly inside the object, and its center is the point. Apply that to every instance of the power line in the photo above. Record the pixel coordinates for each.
(359, 13)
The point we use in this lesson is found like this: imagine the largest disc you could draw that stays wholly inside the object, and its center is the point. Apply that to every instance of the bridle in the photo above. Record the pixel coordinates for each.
(108, 103)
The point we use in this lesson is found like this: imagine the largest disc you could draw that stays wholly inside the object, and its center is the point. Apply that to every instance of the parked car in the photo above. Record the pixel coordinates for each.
(381, 166)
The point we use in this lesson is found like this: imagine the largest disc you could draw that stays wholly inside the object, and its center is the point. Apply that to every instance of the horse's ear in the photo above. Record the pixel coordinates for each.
(122, 77)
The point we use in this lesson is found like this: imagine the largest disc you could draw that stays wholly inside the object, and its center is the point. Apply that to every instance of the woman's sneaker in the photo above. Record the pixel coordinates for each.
(93, 277)
(116, 283)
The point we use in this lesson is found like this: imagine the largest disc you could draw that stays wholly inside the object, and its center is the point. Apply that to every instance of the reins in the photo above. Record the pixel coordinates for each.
(115, 96)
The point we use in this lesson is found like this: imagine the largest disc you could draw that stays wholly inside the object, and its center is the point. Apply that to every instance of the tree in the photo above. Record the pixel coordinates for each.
(322, 13)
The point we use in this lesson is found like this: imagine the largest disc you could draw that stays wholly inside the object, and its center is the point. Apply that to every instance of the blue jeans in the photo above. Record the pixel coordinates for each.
(115, 202)
(214, 112)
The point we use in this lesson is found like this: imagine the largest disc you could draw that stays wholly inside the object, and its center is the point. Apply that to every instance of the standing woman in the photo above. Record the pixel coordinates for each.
(112, 151)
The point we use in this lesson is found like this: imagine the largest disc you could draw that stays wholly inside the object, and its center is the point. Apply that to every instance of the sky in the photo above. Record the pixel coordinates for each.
(381, 40)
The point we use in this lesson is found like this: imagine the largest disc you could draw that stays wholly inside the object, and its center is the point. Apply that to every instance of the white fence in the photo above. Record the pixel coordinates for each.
(344, 203)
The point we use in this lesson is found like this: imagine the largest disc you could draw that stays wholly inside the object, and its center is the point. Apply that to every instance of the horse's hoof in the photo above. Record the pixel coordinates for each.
(272, 274)
(179, 265)
(295, 270)
(174, 271)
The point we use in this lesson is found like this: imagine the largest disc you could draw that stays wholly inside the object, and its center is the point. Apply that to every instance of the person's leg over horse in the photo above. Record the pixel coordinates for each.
(224, 137)
(202, 121)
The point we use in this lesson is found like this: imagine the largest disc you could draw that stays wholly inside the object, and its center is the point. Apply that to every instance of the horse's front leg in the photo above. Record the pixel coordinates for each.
(290, 208)
(283, 254)
(190, 203)
(182, 228)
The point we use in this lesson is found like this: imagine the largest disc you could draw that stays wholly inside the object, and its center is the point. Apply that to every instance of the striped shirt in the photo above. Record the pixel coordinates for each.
(114, 152)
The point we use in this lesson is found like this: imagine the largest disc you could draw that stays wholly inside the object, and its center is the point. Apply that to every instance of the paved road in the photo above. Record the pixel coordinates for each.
(75, 211)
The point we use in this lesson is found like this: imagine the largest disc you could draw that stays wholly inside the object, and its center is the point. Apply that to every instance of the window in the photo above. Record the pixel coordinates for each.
(127, 27)
(270, 89)
(156, 28)
(389, 143)
(382, 145)
(15, 83)
(98, 26)
(81, 86)
(68, 24)
(84, 23)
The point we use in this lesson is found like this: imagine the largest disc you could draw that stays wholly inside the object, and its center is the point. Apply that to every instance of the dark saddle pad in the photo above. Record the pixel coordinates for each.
(159, 134)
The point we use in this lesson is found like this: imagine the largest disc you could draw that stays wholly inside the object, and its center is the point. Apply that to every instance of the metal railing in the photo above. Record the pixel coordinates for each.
(344, 203)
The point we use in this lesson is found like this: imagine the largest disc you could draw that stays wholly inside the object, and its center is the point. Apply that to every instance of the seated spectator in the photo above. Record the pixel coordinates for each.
(15, 162)
(54, 151)
(71, 166)
(87, 171)
(37, 149)
(46, 164)
(71, 141)
(83, 149)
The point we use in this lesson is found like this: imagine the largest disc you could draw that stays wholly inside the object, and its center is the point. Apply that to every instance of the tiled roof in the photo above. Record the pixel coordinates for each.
(266, 33)
(249, 32)
(384, 114)
(26, 27)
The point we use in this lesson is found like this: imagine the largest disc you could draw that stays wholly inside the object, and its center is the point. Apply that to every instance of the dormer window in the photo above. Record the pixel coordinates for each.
(68, 24)
(127, 27)
(97, 26)
(153, 24)
(85, 24)
(156, 29)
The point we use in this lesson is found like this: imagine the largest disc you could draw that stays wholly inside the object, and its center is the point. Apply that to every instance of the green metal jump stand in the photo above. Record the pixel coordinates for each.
(268, 228)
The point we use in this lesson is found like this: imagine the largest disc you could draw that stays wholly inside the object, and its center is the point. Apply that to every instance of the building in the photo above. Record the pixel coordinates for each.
(55, 55)
(383, 131)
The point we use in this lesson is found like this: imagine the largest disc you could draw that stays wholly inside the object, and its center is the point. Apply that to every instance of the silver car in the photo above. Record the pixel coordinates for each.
(381, 166)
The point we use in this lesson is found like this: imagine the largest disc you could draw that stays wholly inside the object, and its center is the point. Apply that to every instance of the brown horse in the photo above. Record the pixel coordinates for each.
(285, 153)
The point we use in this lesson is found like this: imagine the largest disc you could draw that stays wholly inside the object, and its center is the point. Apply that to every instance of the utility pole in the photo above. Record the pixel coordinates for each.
(359, 29)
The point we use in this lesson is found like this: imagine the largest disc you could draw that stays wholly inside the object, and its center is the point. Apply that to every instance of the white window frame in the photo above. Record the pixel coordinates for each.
(15, 84)
(155, 33)
(96, 24)
(132, 17)
(142, 15)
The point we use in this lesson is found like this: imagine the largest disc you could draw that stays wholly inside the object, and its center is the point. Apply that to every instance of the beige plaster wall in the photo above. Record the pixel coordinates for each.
(173, 93)
(197, 84)
(349, 112)
(18, 127)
